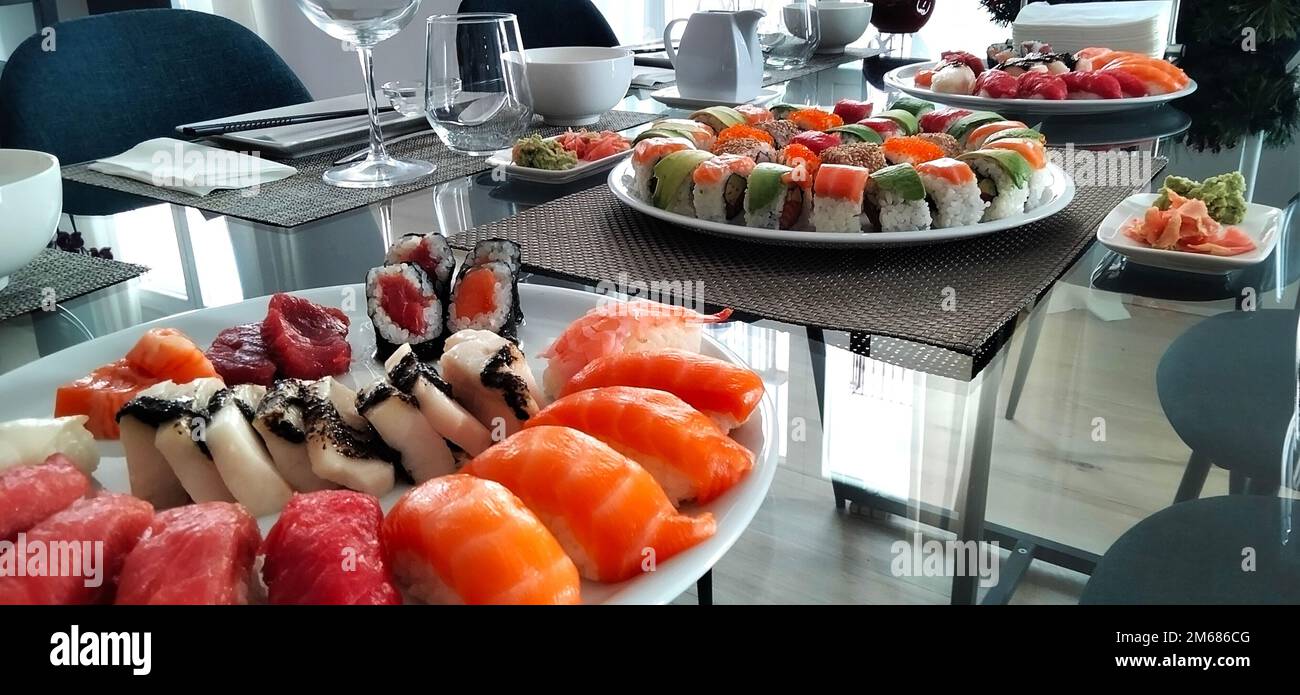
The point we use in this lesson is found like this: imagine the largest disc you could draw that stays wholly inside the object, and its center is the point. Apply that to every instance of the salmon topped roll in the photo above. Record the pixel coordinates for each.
(720, 186)
(647, 154)
(690, 456)
(953, 190)
(839, 192)
(459, 539)
(608, 513)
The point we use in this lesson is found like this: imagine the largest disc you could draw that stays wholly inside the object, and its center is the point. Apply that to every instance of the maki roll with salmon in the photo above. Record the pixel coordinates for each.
(672, 186)
(774, 198)
(432, 252)
(648, 153)
(952, 192)
(895, 200)
(486, 295)
(1040, 181)
(1003, 179)
(976, 138)
(839, 194)
(405, 307)
(720, 187)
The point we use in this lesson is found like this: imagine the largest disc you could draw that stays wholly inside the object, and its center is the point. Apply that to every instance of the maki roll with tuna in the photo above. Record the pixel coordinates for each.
(405, 307)
(671, 187)
(431, 252)
(895, 200)
(1003, 179)
(774, 198)
(720, 187)
(486, 296)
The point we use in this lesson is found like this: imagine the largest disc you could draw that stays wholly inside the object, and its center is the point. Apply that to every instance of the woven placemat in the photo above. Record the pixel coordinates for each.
(56, 276)
(955, 295)
(819, 62)
(305, 197)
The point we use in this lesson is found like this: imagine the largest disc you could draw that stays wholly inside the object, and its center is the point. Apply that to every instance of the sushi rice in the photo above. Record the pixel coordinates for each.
(388, 332)
(499, 318)
(898, 194)
(1007, 174)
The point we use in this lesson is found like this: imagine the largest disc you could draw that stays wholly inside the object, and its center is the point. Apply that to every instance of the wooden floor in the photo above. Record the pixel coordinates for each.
(1051, 476)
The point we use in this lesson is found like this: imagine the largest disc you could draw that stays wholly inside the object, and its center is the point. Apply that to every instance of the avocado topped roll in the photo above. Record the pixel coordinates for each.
(967, 124)
(1003, 179)
(774, 199)
(895, 200)
(672, 186)
(719, 118)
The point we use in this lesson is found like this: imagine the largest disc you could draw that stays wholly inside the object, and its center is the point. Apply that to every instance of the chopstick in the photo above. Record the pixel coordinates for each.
(239, 126)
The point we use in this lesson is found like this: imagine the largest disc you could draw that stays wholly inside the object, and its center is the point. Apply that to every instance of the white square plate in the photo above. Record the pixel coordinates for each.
(504, 159)
(1262, 225)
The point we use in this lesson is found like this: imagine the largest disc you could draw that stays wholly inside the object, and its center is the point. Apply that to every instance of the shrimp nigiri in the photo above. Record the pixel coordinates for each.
(466, 540)
(725, 392)
(689, 455)
(608, 513)
(615, 327)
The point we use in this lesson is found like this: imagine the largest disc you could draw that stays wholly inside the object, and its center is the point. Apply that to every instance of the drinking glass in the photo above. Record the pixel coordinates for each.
(789, 32)
(476, 81)
(364, 23)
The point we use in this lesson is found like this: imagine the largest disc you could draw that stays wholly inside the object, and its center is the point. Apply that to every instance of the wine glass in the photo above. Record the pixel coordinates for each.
(364, 23)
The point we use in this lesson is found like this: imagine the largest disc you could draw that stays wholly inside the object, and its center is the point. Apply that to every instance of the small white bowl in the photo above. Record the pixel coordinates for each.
(840, 22)
(575, 85)
(31, 200)
(1262, 225)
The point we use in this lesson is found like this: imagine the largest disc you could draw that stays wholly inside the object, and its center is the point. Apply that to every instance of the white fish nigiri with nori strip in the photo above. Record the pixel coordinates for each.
(448, 418)
(183, 441)
(397, 418)
(405, 308)
(152, 478)
(491, 378)
(356, 459)
(279, 420)
(240, 456)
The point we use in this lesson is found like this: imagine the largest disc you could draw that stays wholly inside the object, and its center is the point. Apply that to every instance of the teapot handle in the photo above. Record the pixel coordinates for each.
(668, 41)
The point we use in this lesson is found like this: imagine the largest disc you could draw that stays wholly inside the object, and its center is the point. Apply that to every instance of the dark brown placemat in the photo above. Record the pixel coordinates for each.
(897, 292)
(56, 276)
(304, 197)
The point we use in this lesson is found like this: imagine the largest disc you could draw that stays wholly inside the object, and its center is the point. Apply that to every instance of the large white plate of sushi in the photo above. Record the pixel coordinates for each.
(904, 80)
(549, 310)
(1056, 195)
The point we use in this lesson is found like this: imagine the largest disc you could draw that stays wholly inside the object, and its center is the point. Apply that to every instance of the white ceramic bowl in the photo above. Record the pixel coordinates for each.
(31, 200)
(841, 22)
(574, 85)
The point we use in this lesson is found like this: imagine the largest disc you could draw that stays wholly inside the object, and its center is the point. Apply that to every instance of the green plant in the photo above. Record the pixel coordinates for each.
(1004, 11)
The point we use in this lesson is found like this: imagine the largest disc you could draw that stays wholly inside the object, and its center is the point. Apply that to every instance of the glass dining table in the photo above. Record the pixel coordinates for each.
(1048, 451)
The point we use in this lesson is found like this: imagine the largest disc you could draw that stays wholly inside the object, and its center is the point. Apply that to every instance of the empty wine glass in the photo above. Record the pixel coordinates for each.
(364, 23)
(476, 81)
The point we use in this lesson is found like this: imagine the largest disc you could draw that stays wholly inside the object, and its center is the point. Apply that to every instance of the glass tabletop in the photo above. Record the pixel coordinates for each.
(1058, 445)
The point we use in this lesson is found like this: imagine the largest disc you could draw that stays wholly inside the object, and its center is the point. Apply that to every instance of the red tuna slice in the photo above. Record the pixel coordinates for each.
(240, 356)
(937, 121)
(31, 494)
(324, 550)
(200, 554)
(114, 521)
(306, 340)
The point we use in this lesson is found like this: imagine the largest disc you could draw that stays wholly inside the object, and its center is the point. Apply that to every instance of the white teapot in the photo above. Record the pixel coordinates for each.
(720, 57)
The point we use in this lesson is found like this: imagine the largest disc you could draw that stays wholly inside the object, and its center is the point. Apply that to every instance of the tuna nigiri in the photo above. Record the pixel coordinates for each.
(199, 554)
(31, 494)
(1092, 85)
(938, 120)
(95, 535)
(685, 451)
(608, 513)
(725, 392)
(325, 550)
(615, 327)
(463, 540)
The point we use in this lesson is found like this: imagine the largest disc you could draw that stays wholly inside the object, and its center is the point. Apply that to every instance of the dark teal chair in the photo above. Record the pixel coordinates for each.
(117, 79)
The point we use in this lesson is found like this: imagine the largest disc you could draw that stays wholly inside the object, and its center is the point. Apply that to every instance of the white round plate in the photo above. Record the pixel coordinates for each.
(669, 96)
(1262, 224)
(902, 79)
(548, 311)
(620, 182)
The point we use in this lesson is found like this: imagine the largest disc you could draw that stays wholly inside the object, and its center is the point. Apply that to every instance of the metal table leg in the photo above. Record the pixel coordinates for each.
(1026, 358)
(972, 507)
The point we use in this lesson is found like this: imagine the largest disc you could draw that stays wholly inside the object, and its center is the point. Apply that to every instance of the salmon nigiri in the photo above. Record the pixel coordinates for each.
(608, 513)
(726, 392)
(616, 327)
(1155, 80)
(460, 539)
(166, 353)
(690, 456)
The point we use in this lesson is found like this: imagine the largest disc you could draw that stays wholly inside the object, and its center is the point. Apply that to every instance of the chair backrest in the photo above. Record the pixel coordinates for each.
(547, 23)
(117, 79)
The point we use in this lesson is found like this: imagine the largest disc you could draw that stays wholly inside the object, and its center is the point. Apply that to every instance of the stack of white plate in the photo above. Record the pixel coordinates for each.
(1141, 27)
